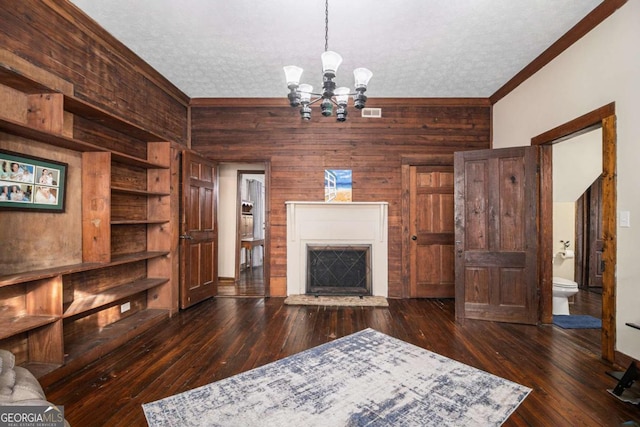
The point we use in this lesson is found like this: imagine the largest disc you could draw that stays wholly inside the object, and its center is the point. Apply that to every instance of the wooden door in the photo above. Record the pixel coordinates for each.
(590, 265)
(432, 273)
(596, 236)
(199, 234)
(496, 212)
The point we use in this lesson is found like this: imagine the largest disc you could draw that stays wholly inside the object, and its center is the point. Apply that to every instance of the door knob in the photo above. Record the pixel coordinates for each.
(414, 237)
(186, 237)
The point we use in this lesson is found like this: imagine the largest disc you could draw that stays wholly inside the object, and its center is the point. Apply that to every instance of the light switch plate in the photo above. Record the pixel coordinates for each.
(625, 219)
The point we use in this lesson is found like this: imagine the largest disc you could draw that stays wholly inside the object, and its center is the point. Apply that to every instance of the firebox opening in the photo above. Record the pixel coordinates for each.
(339, 269)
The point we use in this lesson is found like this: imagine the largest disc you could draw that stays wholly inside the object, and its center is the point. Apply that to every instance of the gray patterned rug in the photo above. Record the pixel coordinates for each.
(364, 379)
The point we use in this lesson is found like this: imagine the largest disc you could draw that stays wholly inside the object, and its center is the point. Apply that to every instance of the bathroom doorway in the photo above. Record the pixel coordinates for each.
(572, 180)
(602, 118)
(577, 164)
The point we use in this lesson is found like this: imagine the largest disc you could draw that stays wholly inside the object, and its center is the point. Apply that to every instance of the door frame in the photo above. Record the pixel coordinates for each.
(407, 161)
(266, 268)
(605, 118)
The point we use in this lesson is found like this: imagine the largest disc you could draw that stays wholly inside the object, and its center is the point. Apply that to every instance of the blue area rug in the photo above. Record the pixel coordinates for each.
(364, 379)
(577, 321)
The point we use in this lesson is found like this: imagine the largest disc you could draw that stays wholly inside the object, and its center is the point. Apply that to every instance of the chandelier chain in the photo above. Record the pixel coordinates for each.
(326, 25)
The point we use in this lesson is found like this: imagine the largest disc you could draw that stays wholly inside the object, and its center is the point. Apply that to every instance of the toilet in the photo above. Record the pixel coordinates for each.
(562, 290)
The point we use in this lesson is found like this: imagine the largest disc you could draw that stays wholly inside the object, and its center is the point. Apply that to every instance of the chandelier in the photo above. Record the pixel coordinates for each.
(301, 94)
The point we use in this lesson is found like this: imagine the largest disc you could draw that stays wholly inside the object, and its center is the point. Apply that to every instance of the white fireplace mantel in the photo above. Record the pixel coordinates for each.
(322, 223)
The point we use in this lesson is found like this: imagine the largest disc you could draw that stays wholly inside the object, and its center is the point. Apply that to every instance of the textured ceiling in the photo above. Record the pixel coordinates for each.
(415, 48)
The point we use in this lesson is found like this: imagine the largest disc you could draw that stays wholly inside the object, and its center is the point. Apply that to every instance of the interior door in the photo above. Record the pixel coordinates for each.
(496, 236)
(199, 234)
(596, 236)
(432, 232)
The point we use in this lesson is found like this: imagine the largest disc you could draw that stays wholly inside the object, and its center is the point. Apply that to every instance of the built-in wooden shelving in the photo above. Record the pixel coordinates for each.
(60, 318)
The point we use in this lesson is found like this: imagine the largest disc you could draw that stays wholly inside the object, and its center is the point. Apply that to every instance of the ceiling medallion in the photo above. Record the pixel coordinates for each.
(300, 94)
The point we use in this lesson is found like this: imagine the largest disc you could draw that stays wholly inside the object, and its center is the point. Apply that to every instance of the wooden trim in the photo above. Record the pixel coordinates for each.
(609, 230)
(585, 123)
(405, 268)
(372, 102)
(545, 234)
(428, 160)
(602, 117)
(588, 23)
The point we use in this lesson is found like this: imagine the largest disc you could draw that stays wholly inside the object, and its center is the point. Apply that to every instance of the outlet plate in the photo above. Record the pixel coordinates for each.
(125, 307)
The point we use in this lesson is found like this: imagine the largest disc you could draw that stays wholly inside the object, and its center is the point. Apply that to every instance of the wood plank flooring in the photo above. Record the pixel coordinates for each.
(221, 337)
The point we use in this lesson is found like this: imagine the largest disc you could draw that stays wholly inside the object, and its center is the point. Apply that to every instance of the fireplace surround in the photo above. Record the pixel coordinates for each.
(321, 224)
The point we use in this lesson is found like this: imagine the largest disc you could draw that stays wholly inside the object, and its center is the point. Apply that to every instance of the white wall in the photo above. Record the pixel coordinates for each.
(227, 215)
(564, 228)
(602, 67)
(577, 163)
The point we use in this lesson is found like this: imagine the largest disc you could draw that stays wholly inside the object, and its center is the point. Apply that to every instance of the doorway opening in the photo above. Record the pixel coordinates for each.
(243, 261)
(602, 118)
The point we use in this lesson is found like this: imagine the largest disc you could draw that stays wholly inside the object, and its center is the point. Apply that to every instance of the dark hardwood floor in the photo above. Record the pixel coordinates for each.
(250, 284)
(221, 337)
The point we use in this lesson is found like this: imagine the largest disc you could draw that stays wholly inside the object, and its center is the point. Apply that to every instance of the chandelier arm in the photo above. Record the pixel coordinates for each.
(315, 100)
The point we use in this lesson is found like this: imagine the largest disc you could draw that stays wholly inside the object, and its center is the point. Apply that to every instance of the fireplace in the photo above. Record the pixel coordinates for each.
(338, 270)
(359, 229)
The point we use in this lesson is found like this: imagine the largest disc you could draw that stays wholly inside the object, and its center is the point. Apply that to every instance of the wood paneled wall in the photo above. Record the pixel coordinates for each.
(299, 152)
(56, 36)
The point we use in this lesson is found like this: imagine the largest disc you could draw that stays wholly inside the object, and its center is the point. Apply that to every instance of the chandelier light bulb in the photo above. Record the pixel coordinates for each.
(305, 92)
(362, 77)
(330, 62)
(293, 75)
(342, 95)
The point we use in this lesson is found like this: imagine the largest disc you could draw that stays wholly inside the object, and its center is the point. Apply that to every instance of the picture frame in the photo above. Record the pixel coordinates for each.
(30, 183)
(338, 185)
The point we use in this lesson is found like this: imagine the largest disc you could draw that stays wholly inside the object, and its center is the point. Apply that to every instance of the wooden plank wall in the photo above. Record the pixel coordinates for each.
(56, 36)
(299, 152)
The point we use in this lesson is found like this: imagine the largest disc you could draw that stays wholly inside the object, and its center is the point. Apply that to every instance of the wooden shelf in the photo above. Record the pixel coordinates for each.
(102, 299)
(139, 221)
(13, 79)
(47, 273)
(123, 190)
(62, 141)
(39, 369)
(16, 325)
(138, 256)
(102, 341)
(98, 115)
